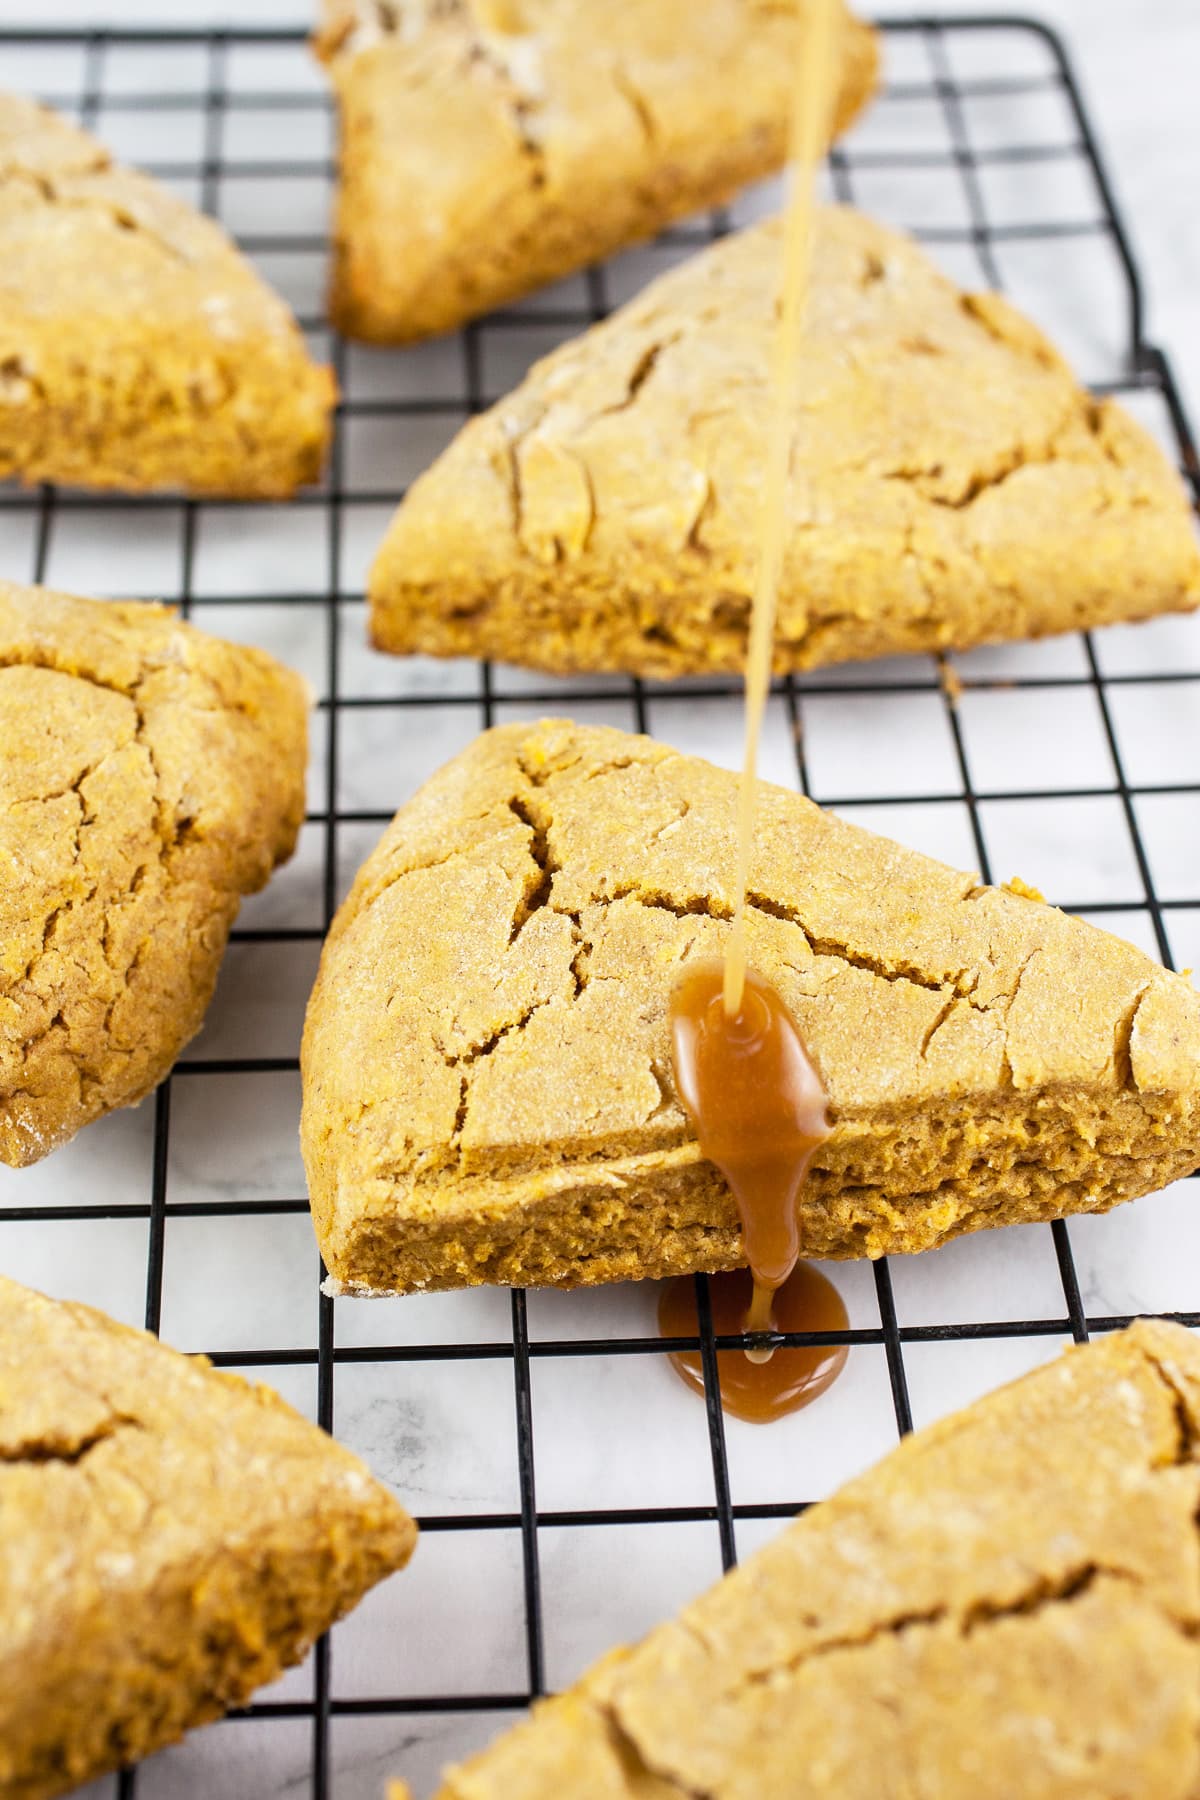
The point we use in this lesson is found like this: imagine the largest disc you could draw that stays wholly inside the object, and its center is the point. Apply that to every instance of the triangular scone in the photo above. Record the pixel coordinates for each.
(1008, 1605)
(953, 483)
(488, 146)
(171, 1538)
(149, 777)
(138, 348)
(488, 1092)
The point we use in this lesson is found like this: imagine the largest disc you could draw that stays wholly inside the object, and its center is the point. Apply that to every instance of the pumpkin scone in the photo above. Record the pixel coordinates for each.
(138, 348)
(1008, 1605)
(150, 776)
(171, 1538)
(489, 146)
(488, 1091)
(953, 484)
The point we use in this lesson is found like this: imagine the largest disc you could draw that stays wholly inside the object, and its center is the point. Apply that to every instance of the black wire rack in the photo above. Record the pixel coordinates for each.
(999, 123)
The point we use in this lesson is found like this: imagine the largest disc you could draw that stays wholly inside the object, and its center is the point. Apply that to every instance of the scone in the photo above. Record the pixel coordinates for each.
(149, 777)
(1006, 1608)
(488, 1091)
(138, 348)
(488, 146)
(171, 1538)
(952, 482)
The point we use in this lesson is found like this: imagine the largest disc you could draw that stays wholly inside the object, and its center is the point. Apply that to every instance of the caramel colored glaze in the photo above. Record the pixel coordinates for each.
(741, 1067)
(757, 1104)
(759, 1110)
(808, 132)
(792, 1378)
(743, 1073)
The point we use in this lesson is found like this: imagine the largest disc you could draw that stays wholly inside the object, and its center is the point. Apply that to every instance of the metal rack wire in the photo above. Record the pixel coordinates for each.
(931, 49)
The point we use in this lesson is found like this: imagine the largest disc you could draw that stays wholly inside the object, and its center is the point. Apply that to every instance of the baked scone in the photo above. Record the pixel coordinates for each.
(1008, 1605)
(171, 1538)
(488, 146)
(149, 777)
(952, 482)
(138, 348)
(488, 1092)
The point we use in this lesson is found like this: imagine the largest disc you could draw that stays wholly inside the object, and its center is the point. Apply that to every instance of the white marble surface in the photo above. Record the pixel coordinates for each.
(611, 1431)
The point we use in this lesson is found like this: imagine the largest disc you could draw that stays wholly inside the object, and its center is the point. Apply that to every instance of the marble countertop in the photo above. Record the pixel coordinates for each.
(612, 1432)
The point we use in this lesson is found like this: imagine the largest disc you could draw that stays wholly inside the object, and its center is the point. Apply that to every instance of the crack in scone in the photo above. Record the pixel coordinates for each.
(487, 1064)
(50, 1446)
(149, 778)
(1008, 1604)
(552, 416)
(96, 190)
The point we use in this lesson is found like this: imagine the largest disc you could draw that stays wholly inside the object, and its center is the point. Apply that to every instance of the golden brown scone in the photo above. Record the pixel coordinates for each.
(171, 1538)
(953, 483)
(1006, 1608)
(488, 146)
(138, 348)
(488, 1092)
(149, 777)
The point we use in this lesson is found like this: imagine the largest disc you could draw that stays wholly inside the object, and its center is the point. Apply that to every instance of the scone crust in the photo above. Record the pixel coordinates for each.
(150, 776)
(138, 348)
(488, 1091)
(541, 135)
(953, 484)
(1008, 1604)
(171, 1538)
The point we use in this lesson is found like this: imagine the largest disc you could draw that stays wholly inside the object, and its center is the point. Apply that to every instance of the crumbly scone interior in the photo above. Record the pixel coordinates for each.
(498, 983)
(150, 778)
(1008, 1604)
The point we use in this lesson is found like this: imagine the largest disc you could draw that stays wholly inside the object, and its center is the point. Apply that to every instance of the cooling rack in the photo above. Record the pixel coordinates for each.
(569, 1490)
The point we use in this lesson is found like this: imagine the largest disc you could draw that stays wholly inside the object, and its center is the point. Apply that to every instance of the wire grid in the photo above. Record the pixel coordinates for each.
(932, 54)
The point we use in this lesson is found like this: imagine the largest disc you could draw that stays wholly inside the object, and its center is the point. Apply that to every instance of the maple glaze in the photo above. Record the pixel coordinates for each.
(809, 130)
(756, 1102)
(753, 1389)
(741, 1068)
(760, 1114)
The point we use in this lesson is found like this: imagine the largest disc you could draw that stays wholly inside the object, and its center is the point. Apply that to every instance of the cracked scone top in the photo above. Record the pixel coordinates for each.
(138, 348)
(488, 146)
(150, 776)
(171, 1538)
(1006, 1608)
(488, 1092)
(953, 483)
